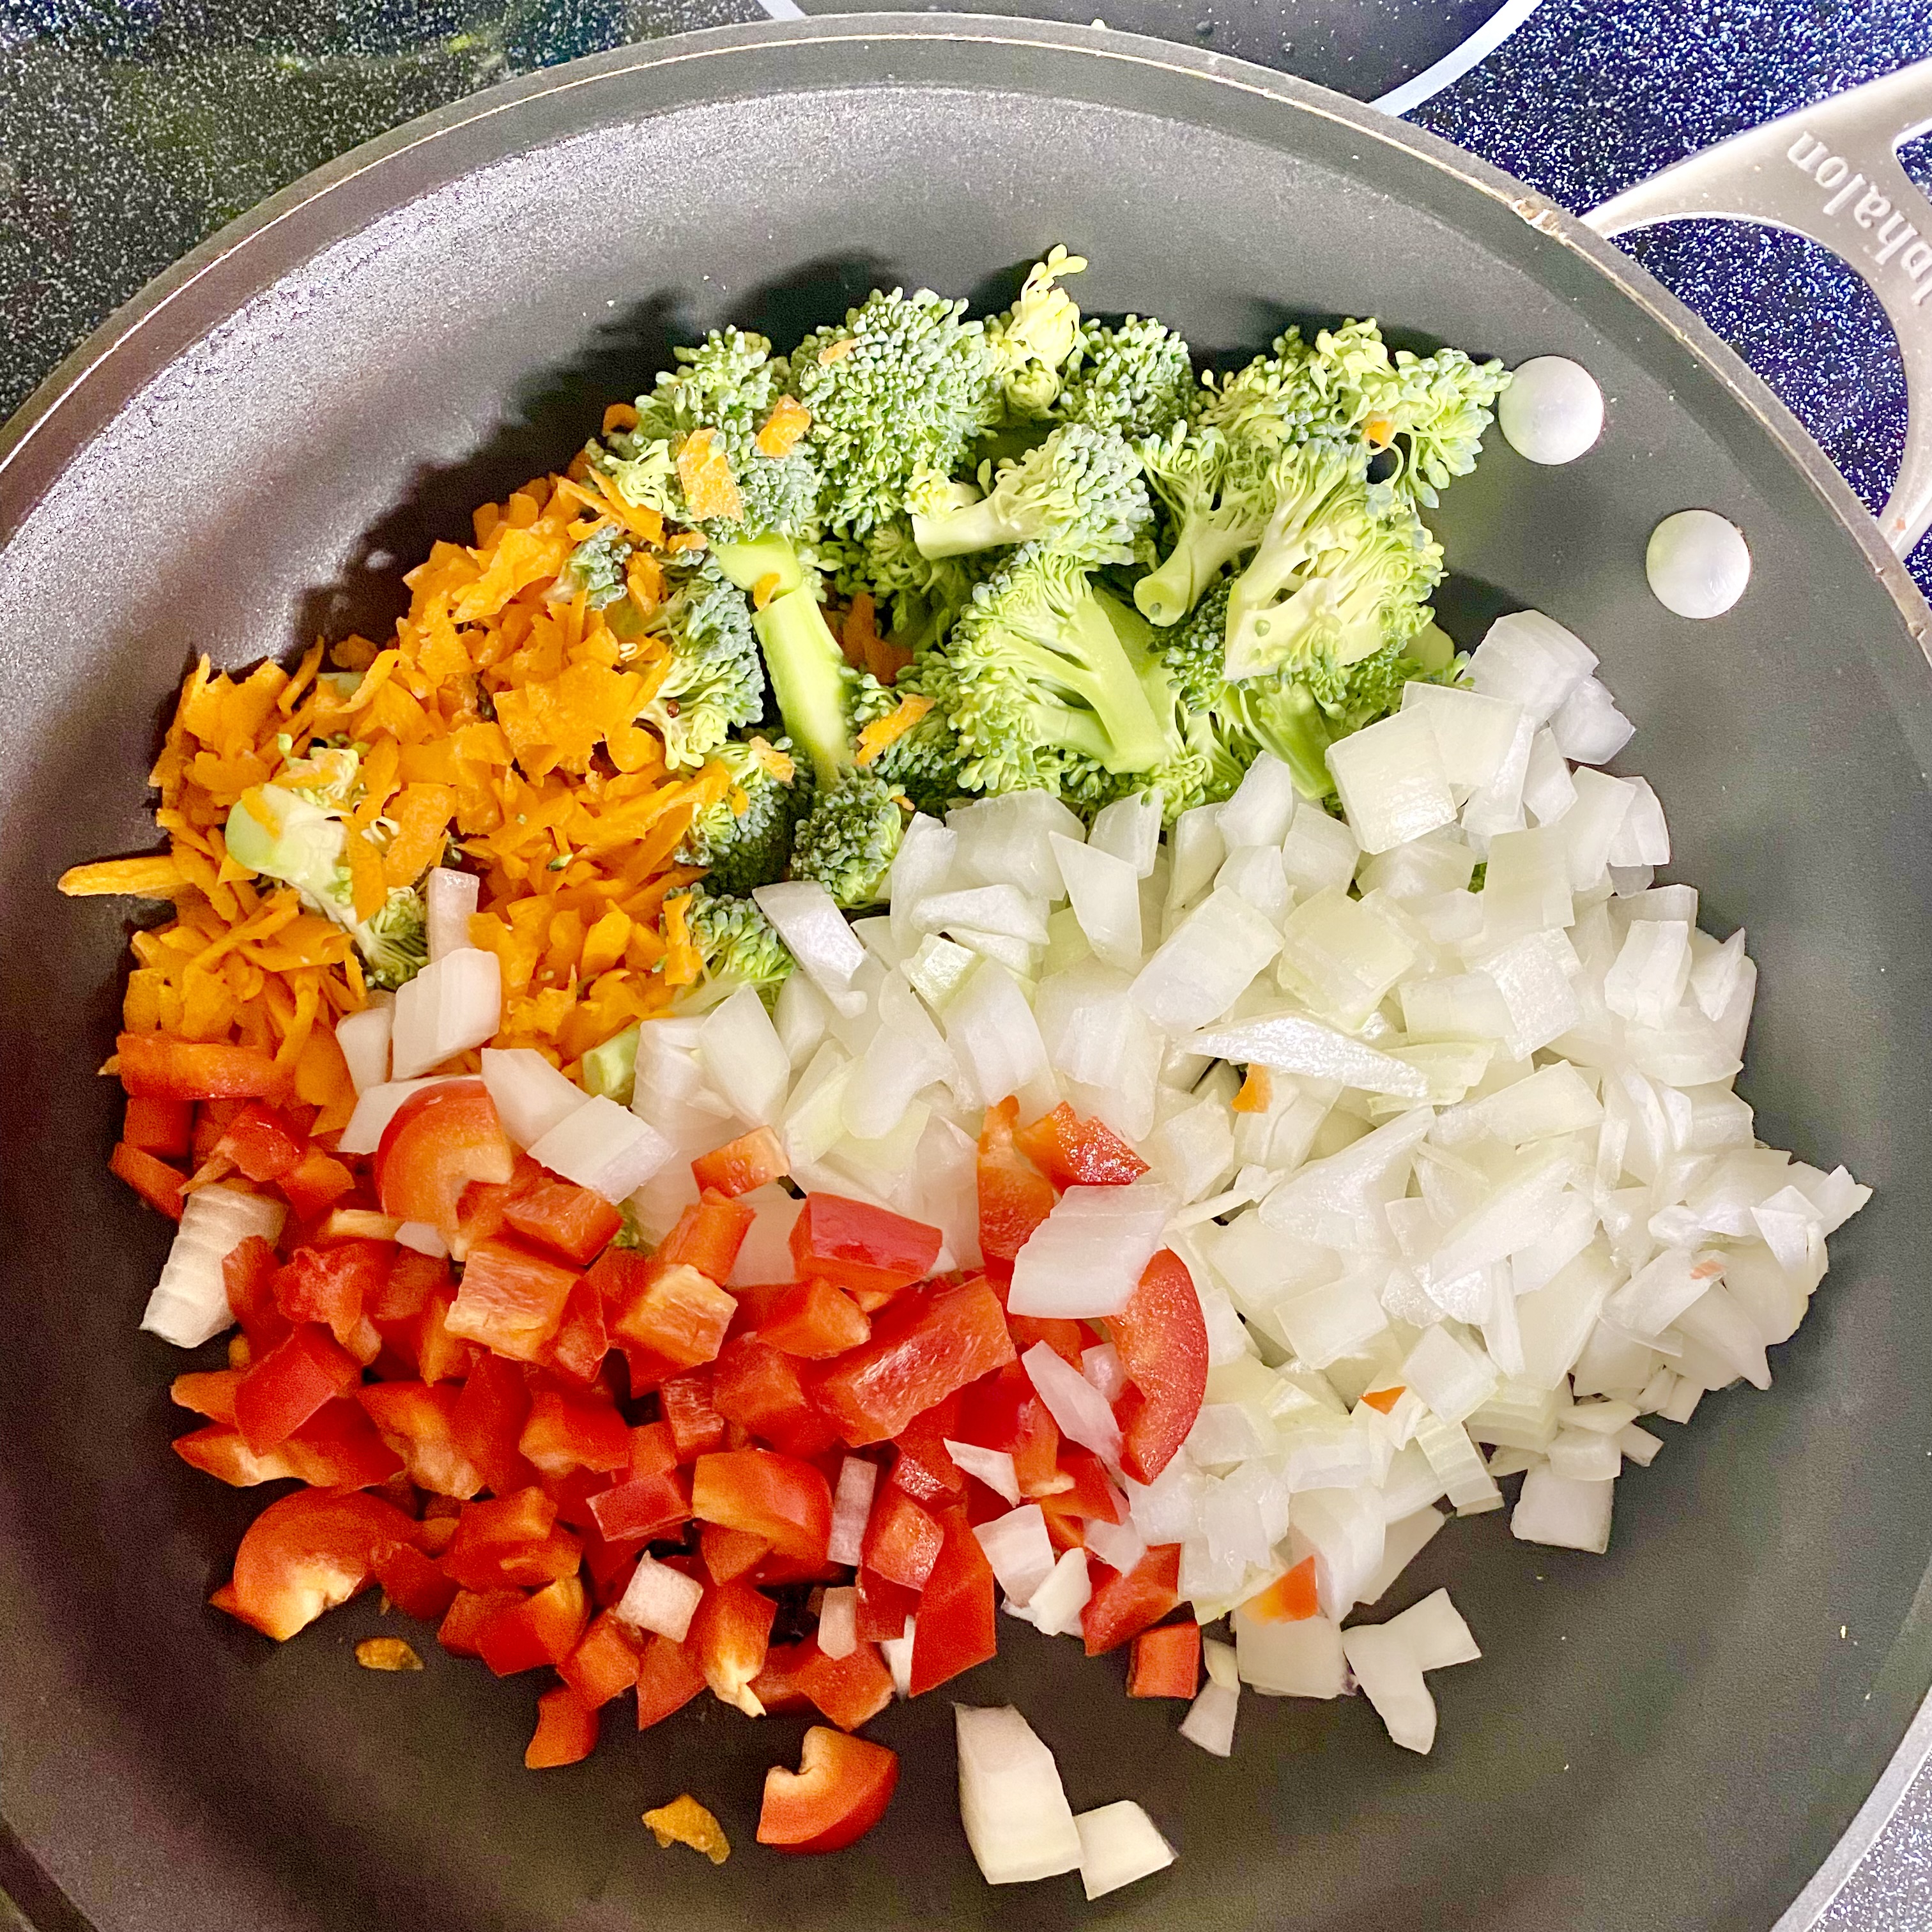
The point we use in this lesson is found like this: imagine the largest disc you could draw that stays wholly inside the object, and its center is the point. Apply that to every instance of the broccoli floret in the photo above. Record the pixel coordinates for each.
(596, 567)
(1030, 342)
(1194, 650)
(900, 388)
(1216, 492)
(715, 683)
(738, 945)
(1437, 416)
(923, 594)
(847, 842)
(395, 942)
(1080, 491)
(744, 840)
(1041, 668)
(1136, 380)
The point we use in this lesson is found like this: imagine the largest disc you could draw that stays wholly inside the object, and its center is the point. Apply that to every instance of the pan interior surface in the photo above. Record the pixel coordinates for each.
(1669, 1737)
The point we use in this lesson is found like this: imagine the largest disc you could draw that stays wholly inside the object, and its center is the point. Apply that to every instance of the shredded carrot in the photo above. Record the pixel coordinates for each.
(765, 589)
(1378, 432)
(619, 415)
(788, 421)
(889, 729)
(1291, 1599)
(1384, 1400)
(704, 470)
(386, 1653)
(686, 1822)
(156, 877)
(859, 635)
(837, 352)
(1257, 1094)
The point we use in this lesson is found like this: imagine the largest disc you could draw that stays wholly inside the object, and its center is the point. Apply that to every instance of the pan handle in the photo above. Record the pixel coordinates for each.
(1831, 172)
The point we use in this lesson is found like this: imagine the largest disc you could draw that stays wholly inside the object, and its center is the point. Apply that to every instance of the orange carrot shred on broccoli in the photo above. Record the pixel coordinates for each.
(882, 732)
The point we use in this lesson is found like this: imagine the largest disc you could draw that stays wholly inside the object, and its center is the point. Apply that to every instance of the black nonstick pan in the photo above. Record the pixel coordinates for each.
(1673, 1737)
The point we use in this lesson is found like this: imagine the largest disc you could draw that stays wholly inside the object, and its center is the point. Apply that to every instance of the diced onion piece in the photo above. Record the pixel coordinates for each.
(1106, 894)
(838, 1622)
(821, 941)
(1262, 807)
(1056, 1604)
(1102, 1366)
(1643, 839)
(1018, 1548)
(1130, 829)
(530, 1096)
(1119, 1844)
(659, 1599)
(449, 898)
(422, 1237)
(1474, 734)
(1209, 1721)
(1392, 782)
(1076, 1406)
(374, 1110)
(1436, 1633)
(1009, 840)
(453, 1003)
(1206, 964)
(364, 1038)
(1406, 1537)
(604, 1148)
(1004, 910)
(993, 1467)
(905, 1055)
(1118, 1545)
(1556, 1510)
(897, 1651)
(991, 1028)
(1301, 1659)
(1085, 1259)
(744, 1059)
(1289, 1041)
(1218, 1660)
(921, 866)
(1587, 726)
(1531, 660)
(189, 1305)
(851, 1508)
(1012, 1802)
(1453, 1379)
(1386, 1667)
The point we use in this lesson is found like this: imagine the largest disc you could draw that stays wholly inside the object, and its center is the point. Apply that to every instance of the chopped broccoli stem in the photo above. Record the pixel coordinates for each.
(611, 1070)
(810, 679)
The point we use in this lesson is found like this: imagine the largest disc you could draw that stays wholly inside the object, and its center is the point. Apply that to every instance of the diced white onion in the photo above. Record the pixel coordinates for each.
(530, 1096)
(453, 1003)
(820, 940)
(1056, 1604)
(422, 1237)
(1209, 1721)
(897, 1651)
(1572, 1515)
(851, 1508)
(659, 1599)
(364, 1038)
(449, 899)
(1085, 1259)
(837, 1632)
(1386, 1668)
(1105, 891)
(189, 1305)
(744, 1059)
(1301, 1659)
(1128, 829)
(1392, 782)
(1435, 1633)
(993, 1467)
(1119, 1844)
(1074, 1403)
(1012, 1802)
(604, 1148)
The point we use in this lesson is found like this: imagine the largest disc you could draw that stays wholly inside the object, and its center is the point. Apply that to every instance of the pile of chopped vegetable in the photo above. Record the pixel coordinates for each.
(1262, 1074)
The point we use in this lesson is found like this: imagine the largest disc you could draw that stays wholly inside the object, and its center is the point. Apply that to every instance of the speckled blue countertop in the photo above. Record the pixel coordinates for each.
(130, 129)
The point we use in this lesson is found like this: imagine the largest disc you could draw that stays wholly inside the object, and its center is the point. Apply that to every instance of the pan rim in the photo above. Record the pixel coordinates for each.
(106, 371)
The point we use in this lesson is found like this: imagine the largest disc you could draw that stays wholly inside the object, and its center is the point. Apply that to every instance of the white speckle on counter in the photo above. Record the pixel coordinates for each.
(1698, 563)
(1552, 410)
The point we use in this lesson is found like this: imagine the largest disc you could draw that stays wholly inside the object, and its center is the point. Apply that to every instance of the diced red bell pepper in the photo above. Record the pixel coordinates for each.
(922, 1348)
(405, 1289)
(838, 1794)
(761, 1390)
(157, 1067)
(574, 1492)
(511, 1542)
(248, 1276)
(335, 1285)
(604, 1664)
(1003, 1411)
(1163, 1341)
(815, 1319)
(1070, 1151)
(955, 1627)
(290, 1383)
(730, 1552)
(676, 1313)
(653, 1498)
(780, 1498)
(923, 1467)
(752, 1160)
(492, 1406)
(883, 1607)
(569, 1220)
(775, 1572)
(315, 1183)
(776, 1686)
(730, 1631)
(1064, 1338)
(158, 1126)
(209, 1392)
(511, 1300)
(851, 1690)
(1291, 1599)
(307, 1552)
(669, 1675)
(1015, 1197)
(414, 1584)
(481, 1206)
(543, 1628)
(1122, 1606)
(567, 1431)
(1166, 1662)
(439, 1141)
(421, 1420)
(901, 1542)
(861, 1247)
(219, 1450)
(337, 1448)
(469, 1611)
(441, 1356)
(696, 1426)
(581, 1342)
(259, 1143)
(566, 1731)
(157, 1183)
(1088, 1492)
(707, 1237)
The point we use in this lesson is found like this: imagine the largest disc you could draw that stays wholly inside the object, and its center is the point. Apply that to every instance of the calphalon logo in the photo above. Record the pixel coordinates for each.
(1891, 231)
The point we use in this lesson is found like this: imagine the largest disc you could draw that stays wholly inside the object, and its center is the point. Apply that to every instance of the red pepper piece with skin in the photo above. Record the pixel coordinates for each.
(729, 1553)
(730, 1631)
(604, 1664)
(922, 1466)
(780, 1498)
(816, 1320)
(923, 1348)
(859, 1246)
(752, 1160)
(511, 1543)
(678, 1316)
(838, 1794)
(652, 1498)
(695, 1424)
(289, 1384)
(902, 1541)
(219, 1450)
(707, 1236)
(440, 1140)
(1166, 1662)
(883, 1607)
(542, 1628)
(315, 1183)
(259, 1143)
(582, 1341)
(209, 1392)
(955, 1625)
(248, 1276)
(573, 1492)
(1015, 1197)
(413, 1582)
(306, 1553)
(441, 1356)
(492, 1406)
(564, 1433)
(406, 1288)
(338, 1448)
(776, 1686)
(511, 1300)
(1163, 1341)
(158, 1126)
(1003, 1411)
(157, 1183)
(559, 1215)
(669, 1675)
(850, 1691)
(335, 1285)
(1122, 1606)
(157, 1067)
(1088, 1491)
(761, 1390)
(566, 1731)
(1072, 1152)
(469, 1611)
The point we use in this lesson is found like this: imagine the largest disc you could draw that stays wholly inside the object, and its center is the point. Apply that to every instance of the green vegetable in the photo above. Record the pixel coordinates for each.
(610, 1070)
(738, 945)
(847, 842)
(1080, 491)
(596, 567)
(744, 840)
(1137, 380)
(1031, 342)
(715, 682)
